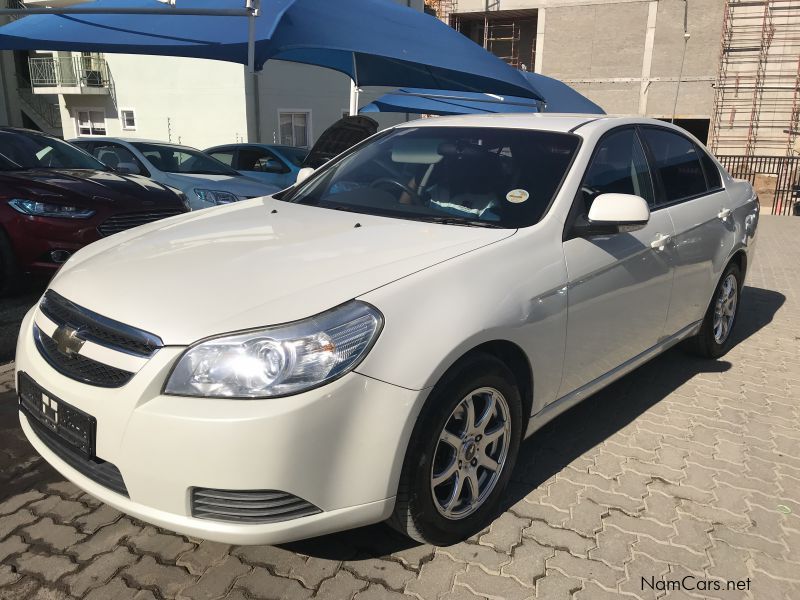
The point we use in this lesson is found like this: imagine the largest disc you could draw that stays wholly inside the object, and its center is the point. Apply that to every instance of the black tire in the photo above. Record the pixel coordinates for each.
(705, 344)
(10, 276)
(415, 513)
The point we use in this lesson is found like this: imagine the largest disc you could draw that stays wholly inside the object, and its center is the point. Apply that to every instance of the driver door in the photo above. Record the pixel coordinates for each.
(619, 285)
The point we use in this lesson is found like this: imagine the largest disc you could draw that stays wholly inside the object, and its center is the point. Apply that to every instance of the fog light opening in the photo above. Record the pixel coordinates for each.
(60, 256)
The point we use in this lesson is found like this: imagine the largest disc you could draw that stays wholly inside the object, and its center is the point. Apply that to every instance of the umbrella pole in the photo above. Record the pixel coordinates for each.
(254, 7)
(354, 91)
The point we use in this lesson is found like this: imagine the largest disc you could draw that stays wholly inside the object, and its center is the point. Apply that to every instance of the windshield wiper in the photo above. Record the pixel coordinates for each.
(461, 221)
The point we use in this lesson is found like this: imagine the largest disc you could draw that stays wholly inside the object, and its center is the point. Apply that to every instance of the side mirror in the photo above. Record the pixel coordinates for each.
(128, 168)
(304, 174)
(614, 213)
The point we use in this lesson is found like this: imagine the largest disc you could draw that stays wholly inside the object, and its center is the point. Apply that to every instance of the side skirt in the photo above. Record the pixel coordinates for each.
(552, 410)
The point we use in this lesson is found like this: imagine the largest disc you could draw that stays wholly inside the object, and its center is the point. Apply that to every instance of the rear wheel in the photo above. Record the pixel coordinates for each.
(461, 454)
(714, 338)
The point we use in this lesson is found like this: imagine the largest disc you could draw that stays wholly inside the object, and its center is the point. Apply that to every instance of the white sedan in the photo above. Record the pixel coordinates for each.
(375, 342)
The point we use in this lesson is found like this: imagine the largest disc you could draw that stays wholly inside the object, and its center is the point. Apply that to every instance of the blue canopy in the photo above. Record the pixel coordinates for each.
(374, 42)
(558, 97)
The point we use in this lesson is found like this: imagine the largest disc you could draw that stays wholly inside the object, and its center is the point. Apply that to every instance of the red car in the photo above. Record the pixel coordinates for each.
(56, 198)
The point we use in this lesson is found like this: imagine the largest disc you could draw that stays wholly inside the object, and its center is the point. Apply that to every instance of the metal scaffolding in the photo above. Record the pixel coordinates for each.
(443, 8)
(757, 100)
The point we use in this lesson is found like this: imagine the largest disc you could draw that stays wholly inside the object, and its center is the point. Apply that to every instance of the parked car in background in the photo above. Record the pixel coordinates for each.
(55, 199)
(205, 181)
(277, 165)
(383, 335)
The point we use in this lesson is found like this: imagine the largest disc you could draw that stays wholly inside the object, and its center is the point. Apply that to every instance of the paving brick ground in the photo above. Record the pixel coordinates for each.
(685, 468)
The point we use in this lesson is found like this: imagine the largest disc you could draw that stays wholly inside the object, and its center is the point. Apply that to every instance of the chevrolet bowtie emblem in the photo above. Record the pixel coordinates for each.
(67, 340)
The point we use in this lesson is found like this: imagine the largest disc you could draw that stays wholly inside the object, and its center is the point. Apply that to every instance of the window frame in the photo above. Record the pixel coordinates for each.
(309, 121)
(661, 194)
(575, 209)
(76, 119)
(122, 112)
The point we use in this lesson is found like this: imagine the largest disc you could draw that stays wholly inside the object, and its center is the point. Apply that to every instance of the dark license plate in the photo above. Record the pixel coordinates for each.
(71, 425)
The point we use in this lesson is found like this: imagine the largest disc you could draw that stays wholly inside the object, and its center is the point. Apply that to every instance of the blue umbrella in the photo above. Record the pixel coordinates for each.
(374, 42)
(558, 97)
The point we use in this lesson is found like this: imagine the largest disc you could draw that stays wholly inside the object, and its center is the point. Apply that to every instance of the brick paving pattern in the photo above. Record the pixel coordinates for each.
(683, 468)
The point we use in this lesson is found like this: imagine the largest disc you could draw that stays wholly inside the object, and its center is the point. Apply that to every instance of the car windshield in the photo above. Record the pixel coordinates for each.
(180, 159)
(477, 176)
(27, 150)
(295, 155)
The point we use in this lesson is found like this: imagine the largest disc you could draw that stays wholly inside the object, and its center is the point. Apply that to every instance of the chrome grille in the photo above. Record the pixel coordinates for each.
(98, 329)
(127, 221)
(79, 367)
(249, 506)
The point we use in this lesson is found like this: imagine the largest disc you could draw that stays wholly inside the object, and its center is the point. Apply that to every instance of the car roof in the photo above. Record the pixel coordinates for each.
(103, 138)
(566, 122)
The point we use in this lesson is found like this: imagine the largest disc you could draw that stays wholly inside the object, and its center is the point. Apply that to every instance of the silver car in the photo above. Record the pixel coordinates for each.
(204, 180)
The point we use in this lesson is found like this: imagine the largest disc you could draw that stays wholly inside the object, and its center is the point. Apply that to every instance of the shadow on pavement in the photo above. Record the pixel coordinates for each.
(541, 456)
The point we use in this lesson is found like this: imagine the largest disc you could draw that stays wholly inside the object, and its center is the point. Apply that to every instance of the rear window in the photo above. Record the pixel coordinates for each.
(711, 169)
(677, 162)
(471, 175)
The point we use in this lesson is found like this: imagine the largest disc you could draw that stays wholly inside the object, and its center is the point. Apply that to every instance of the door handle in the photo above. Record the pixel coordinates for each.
(660, 242)
(724, 214)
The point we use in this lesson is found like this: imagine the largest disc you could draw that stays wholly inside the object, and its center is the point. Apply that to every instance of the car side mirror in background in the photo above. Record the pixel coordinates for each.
(614, 213)
(128, 168)
(304, 174)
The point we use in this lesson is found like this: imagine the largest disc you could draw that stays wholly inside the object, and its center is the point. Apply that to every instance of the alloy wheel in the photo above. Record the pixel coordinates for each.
(725, 308)
(470, 453)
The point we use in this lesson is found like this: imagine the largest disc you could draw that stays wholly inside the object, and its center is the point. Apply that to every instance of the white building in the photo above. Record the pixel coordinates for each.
(196, 102)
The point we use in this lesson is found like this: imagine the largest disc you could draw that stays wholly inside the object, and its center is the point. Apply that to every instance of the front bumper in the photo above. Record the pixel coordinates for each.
(339, 447)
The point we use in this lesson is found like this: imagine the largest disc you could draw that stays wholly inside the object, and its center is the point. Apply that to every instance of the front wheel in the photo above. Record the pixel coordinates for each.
(714, 338)
(461, 454)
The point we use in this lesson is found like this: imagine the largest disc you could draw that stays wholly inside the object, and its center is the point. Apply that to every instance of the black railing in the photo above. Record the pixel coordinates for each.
(785, 170)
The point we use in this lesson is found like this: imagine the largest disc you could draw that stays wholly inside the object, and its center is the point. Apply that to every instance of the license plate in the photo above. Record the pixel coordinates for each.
(71, 425)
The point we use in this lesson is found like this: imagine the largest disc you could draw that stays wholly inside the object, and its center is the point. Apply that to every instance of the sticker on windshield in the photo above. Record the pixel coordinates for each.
(517, 196)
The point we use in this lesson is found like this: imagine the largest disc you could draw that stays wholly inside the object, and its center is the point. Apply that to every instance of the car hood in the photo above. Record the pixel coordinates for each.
(239, 185)
(253, 263)
(88, 187)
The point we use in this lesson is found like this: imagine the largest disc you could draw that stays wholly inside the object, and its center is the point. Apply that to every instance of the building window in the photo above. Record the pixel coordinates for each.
(294, 128)
(128, 116)
(508, 34)
(91, 122)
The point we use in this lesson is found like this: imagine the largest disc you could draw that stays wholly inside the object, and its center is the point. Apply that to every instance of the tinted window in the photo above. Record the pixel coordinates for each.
(180, 159)
(223, 156)
(471, 175)
(112, 155)
(33, 151)
(677, 162)
(711, 169)
(618, 166)
(258, 159)
(295, 155)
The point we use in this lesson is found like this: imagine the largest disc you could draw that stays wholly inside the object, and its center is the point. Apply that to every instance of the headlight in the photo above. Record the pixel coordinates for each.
(184, 200)
(281, 360)
(47, 209)
(216, 196)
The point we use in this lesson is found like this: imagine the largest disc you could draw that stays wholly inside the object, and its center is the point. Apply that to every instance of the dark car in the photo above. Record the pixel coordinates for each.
(56, 198)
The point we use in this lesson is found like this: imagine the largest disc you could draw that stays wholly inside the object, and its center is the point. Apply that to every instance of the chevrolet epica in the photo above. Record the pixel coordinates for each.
(374, 342)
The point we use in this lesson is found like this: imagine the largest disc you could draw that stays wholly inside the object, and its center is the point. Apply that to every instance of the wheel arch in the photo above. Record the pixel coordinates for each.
(510, 354)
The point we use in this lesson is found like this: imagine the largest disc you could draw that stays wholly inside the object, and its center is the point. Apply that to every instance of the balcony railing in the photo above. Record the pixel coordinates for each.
(69, 71)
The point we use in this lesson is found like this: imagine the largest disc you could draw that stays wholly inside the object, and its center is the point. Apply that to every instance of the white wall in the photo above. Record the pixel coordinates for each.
(190, 101)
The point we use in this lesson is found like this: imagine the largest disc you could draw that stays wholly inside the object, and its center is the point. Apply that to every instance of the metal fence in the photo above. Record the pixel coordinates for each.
(784, 169)
(68, 71)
